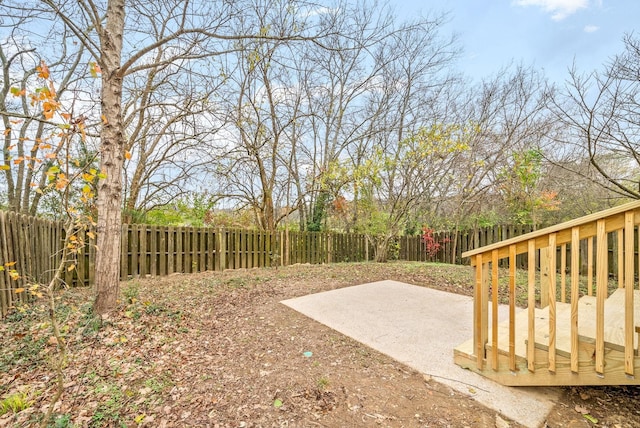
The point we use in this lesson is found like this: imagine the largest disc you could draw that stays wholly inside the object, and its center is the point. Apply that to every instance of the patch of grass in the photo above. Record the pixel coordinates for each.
(322, 383)
(131, 292)
(158, 384)
(63, 421)
(89, 323)
(26, 352)
(108, 411)
(154, 309)
(236, 282)
(15, 403)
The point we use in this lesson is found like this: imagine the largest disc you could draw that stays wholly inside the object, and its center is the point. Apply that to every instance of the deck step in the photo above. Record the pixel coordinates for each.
(613, 323)
(614, 326)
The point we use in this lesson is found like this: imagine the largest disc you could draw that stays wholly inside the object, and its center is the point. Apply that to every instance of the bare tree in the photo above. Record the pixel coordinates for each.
(505, 115)
(377, 85)
(171, 120)
(116, 34)
(599, 114)
(25, 125)
(336, 83)
(264, 102)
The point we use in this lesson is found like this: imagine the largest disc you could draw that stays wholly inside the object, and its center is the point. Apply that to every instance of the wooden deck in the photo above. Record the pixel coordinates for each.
(559, 339)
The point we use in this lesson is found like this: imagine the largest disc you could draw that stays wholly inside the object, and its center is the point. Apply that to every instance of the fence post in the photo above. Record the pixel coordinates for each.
(286, 248)
(366, 248)
(221, 250)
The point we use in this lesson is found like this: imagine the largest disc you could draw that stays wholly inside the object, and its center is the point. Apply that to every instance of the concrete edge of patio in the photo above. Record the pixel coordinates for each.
(420, 327)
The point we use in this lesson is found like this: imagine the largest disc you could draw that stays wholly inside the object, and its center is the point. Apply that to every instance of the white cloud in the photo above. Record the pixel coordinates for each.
(559, 9)
(591, 28)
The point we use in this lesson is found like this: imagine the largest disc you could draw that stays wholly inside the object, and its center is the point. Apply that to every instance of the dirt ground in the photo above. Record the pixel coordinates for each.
(219, 350)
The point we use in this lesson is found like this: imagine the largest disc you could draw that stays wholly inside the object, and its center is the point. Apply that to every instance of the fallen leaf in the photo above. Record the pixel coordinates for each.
(501, 423)
(591, 419)
(581, 409)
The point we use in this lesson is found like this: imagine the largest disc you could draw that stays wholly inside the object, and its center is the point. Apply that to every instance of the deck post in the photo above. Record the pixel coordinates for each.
(629, 275)
(602, 271)
(531, 300)
(479, 312)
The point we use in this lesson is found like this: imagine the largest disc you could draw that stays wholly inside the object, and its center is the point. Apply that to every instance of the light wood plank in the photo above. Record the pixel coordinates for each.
(601, 293)
(545, 276)
(613, 223)
(479, 344)
(575, 278)
(563, 273)
(552, 302)
(531, 300)
(590, 266)
(485, 303)
(494, 306)
(614, 218)
(614, 326)
(563, 376)
(512, 307)
(629, 327)
(620, 246)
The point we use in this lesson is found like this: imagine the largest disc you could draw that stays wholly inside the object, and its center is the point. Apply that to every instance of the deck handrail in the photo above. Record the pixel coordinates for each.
(590, 218)
(567, 237)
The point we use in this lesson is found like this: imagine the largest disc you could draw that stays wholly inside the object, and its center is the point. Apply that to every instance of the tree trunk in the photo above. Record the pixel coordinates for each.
(112, 159)
(381, 249)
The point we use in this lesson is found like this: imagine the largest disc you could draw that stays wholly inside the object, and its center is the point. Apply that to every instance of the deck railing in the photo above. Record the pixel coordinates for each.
(557, 249)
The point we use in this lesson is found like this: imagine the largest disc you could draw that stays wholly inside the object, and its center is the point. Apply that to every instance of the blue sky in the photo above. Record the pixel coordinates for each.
(548, 34)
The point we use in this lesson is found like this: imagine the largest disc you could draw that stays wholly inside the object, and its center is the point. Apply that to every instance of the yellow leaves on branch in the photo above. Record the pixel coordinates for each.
(43, 70)
(94, 69)
(49, 109)
(17, 92)
(442, 139)
(61, 181)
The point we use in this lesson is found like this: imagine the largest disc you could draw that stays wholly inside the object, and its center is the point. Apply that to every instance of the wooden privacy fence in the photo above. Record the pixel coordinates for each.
(34, 244)
(33, 247)
(159, 250)
(454, 243)
(28, 246)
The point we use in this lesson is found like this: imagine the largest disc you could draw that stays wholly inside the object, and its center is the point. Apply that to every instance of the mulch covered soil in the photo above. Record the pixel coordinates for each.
(219, 350)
